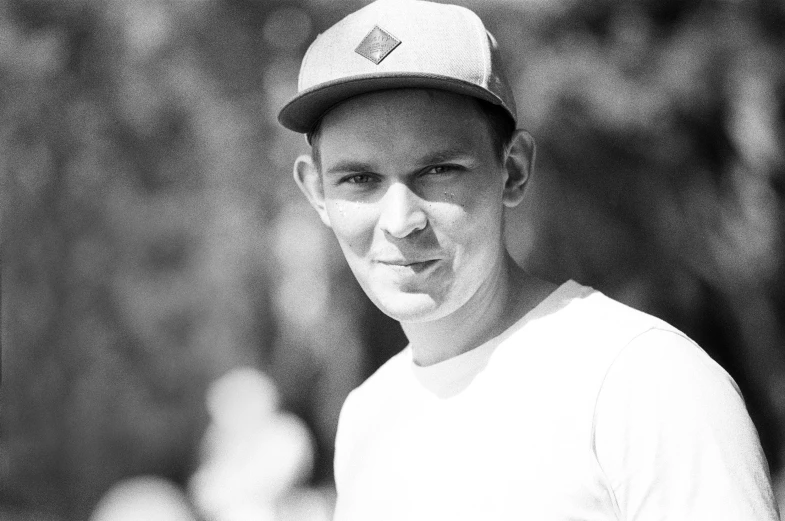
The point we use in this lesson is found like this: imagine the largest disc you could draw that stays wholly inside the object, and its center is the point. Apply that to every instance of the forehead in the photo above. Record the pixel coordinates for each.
(403, 122)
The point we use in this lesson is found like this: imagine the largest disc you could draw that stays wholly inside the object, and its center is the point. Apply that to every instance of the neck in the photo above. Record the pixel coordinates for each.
(507, 295)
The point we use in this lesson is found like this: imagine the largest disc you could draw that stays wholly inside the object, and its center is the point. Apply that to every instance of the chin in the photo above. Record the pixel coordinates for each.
(410, 307)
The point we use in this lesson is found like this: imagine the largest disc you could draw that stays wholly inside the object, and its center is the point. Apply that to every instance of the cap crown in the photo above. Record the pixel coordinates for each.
(397, 44)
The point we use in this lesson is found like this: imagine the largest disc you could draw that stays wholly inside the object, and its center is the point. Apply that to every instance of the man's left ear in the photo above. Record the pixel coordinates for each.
(518, 166)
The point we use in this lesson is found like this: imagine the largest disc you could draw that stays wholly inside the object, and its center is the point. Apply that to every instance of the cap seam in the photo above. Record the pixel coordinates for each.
(306, 58)
(479, 29)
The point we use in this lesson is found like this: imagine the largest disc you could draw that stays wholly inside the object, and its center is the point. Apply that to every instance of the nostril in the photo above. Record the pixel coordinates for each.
(402, 212)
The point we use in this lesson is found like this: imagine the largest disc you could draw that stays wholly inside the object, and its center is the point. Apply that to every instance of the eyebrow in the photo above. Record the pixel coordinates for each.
(440, 156)
(343, 167)
(449, 154)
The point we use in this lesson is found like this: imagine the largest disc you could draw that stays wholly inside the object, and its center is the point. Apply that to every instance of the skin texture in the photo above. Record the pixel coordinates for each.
(414, 190)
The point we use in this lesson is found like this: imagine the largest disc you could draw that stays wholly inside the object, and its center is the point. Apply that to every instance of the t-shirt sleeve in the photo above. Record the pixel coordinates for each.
(674, 439)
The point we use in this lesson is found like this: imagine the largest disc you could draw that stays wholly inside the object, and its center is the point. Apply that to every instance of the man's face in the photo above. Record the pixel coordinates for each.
(412, 188)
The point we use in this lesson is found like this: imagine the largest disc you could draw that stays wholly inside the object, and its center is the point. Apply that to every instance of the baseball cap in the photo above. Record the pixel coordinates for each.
(392, 44)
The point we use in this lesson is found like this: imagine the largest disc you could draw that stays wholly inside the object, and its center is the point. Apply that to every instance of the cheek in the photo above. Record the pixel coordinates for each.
(352, 224)
(477, 194)
(471, 234)
(476, 217)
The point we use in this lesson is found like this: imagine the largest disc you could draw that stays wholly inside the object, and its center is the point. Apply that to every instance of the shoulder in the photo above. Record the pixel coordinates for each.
(665, 351)
(364, 407)
(384, 383)
(663, 371)
(601, 313)
(386, 379)
(672, 434)
(581, 331)
(583, 312)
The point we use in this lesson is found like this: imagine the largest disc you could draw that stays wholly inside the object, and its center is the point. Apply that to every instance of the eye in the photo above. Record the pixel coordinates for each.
(357, 179)
(441, 169)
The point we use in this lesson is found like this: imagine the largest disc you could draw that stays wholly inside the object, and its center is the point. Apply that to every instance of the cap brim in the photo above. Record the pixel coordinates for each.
(305, 109)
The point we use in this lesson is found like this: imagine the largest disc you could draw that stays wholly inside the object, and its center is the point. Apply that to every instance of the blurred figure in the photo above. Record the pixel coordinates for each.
(143, 498)
(253, 454)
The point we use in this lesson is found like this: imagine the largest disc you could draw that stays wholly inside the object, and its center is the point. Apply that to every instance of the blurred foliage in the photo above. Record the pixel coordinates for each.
(152, 238)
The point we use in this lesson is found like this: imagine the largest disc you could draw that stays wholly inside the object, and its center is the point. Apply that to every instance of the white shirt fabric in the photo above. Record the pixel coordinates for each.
(585, 409)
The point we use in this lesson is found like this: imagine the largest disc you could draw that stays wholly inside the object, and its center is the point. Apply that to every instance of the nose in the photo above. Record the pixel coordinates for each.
(401, 213)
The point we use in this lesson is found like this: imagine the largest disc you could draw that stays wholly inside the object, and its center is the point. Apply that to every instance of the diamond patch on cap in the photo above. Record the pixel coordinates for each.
(377, 44)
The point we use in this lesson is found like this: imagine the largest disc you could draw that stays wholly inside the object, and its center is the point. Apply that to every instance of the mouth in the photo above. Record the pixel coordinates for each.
(410, 266)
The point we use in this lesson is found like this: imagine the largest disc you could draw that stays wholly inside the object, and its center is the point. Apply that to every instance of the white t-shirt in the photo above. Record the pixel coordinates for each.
(585, 409)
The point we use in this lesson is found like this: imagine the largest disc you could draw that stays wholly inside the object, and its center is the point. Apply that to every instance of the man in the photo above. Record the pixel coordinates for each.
(515, 398)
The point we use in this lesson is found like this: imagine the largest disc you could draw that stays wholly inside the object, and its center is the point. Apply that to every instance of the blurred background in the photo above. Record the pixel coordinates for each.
(159, 265)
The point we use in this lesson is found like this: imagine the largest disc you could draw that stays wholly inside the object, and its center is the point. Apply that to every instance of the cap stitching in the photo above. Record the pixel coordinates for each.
(306, 58)
(479, 30)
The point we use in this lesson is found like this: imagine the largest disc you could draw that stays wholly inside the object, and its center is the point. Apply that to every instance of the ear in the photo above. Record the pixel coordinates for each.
(308, 179)
(518, 165)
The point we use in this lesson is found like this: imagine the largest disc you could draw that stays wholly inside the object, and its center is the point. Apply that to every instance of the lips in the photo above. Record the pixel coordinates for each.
(408, 265)
(403, 262)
